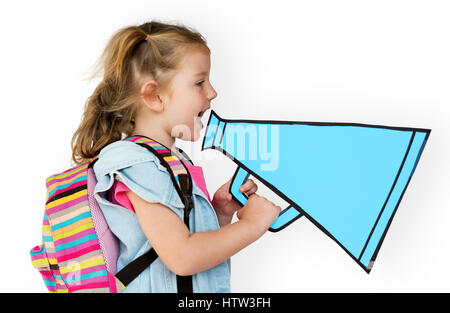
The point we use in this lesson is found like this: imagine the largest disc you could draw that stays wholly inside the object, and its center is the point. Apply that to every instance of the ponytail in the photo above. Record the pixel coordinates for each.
(128, 59)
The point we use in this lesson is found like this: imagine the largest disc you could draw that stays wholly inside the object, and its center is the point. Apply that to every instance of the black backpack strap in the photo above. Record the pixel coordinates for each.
(136, 267)
(184, 189)
(184, 283)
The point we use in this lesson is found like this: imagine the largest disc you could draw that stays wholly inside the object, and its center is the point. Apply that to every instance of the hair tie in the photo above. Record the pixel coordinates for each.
(147, 37)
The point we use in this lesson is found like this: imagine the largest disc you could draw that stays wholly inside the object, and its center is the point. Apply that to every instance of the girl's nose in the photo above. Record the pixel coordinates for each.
(213, 93)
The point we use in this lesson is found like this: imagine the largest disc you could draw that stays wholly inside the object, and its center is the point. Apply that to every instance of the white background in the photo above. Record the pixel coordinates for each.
(372, 62)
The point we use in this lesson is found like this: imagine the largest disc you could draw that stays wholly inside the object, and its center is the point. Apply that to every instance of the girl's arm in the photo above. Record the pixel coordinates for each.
(186, 254)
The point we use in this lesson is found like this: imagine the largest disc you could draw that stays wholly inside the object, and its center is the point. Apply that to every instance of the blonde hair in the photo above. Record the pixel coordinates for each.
(126, 61)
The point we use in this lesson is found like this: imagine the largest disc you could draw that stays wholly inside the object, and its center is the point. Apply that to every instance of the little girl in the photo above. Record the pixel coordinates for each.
(156, 84)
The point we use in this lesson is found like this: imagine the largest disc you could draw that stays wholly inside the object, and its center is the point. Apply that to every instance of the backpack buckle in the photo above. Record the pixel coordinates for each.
(188, 205)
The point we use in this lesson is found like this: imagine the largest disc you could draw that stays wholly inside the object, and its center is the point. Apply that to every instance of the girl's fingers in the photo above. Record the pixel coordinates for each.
(248, 186)
(252, 190)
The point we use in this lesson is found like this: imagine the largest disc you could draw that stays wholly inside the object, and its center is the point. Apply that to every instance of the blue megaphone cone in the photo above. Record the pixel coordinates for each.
(346, 178)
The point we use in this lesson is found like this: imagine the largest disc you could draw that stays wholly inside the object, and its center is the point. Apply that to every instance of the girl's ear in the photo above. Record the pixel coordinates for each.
(150, 96)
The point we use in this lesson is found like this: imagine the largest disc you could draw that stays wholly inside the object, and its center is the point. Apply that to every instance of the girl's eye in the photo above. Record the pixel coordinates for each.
(200, 83)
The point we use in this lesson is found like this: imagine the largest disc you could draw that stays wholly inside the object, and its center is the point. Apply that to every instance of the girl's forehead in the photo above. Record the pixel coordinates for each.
(195, 62)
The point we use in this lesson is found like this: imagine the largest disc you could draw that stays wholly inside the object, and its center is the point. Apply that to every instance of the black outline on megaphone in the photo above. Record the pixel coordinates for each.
(243, 172)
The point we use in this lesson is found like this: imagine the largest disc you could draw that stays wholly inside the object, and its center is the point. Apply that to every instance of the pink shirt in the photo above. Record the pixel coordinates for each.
(118, 190)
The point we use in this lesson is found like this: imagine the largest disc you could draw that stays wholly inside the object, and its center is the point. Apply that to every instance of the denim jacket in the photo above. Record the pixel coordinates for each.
(143, 173)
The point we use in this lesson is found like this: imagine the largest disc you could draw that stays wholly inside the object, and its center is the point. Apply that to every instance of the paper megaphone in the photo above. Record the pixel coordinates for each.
(347, 179)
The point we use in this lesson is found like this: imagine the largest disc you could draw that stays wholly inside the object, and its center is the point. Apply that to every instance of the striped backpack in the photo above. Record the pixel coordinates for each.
(78, 251)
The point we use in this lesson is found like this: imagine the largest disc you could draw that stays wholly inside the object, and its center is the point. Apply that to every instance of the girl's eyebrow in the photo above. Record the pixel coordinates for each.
(200, 74)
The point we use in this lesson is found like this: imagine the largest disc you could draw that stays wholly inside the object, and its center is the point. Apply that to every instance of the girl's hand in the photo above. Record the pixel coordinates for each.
(225, 205)
(260, 212)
